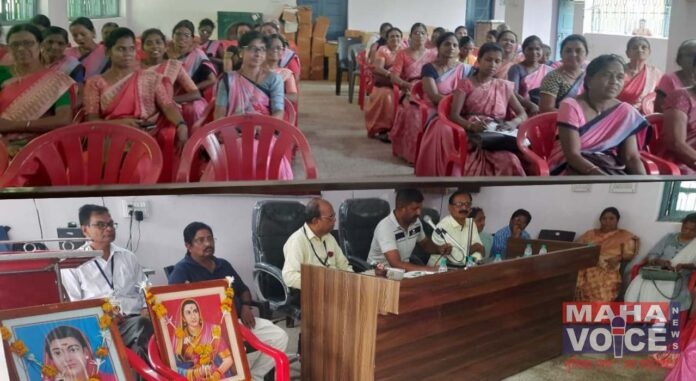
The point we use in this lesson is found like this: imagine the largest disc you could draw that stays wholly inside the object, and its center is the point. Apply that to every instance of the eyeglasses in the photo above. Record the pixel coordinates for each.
(22, 44)
(460, 204)
(254, 49)
(277, 48)
(202, 240)
(103, 225)
(182, 34)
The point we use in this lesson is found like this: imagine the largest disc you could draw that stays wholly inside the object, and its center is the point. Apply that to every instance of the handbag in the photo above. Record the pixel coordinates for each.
(493, 141)
(658, 273)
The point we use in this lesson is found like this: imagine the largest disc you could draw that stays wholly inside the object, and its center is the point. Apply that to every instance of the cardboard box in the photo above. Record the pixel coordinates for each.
(291, 37)
(304, 32)
(353, 33)
(332, 68)
(321, 26)
(330, 49)
(318, 47)
(304, 15)
(316, 74)
(289, 15)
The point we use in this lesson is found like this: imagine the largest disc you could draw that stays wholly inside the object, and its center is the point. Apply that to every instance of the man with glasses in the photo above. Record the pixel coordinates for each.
(313, 243)
(457, 227)
(200, 264)
(116, 275)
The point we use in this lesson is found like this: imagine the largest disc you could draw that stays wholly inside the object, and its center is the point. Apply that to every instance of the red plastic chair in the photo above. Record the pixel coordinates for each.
(459, 136)
(4, 158)
(87, 154)
(282, 364)
(141, 367)
(206, 117)
(364, 79)
(647, 105)
(274, 140)
(540, 130)
(290, 112)
(655, 147)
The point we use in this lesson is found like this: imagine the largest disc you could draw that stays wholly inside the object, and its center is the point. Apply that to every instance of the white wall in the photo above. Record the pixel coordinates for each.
(682, 27)
(367, 15)
(523, 17)
(613, 43)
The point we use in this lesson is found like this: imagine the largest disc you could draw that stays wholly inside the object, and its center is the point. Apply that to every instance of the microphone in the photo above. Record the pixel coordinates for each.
(618, 330)
(446, 236)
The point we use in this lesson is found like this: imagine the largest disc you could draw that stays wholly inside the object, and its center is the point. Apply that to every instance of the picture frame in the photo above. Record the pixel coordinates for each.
(63, 339)
(186, 345)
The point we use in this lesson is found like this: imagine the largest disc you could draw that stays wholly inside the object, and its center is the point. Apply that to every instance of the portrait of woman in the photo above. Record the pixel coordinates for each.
(67, 349)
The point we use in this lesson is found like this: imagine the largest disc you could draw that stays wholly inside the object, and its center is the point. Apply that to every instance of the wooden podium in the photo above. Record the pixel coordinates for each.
(484, 323)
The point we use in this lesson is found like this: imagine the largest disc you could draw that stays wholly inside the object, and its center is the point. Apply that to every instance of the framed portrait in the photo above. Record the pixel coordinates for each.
(197, 330)
(66, 341)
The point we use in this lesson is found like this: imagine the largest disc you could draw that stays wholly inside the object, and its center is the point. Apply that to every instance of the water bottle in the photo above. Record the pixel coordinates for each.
(470, 261)
(443, 265)
(528, 250)
(543, 249)
(498, 258)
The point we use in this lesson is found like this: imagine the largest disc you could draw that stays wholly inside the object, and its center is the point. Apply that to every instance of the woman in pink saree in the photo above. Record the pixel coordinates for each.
(33, 99)
(55, 40)
(214, 49)
(69, 352)
(528, 74)
(277, 48)
(186, 93)
(91, 55)
(379, 111)
(196, 63)
(597, 132)
(289, 59)
(478, 102)
(679, 79)
(507, 40)
(253, 89)
(679, 129)
(641, 78)
(406, 70)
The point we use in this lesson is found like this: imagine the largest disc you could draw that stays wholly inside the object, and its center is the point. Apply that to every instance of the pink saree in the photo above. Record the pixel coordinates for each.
(502, 72)
(174, 71)
(488, 101)
(192, 63)
(642, 84)
(532, 81)
(668, 83)
(379, 111)
(94, 62)
(682, 100)
(603, 134)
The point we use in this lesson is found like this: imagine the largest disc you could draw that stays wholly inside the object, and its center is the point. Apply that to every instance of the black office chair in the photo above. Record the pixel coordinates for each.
(419, 256)
(557, 235)
(272, 224)
(343, 58)
(353, 68)
(358, 219)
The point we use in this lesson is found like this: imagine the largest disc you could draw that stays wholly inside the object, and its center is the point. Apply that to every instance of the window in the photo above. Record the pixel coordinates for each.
(678, 200)
(625, 17)
(14, 11)
(94, 9)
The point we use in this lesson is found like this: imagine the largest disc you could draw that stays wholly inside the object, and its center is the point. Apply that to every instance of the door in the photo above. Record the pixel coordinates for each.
(335, 10)
(566, 11)
(477, 10)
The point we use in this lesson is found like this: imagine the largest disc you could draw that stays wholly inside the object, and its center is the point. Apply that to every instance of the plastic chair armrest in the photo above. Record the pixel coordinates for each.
(158, 365)
(141, 367)
(649, 165)
(282, 364)
(664, 166)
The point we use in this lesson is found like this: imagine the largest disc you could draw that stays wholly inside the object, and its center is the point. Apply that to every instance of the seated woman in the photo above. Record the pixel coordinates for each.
(603, 282)
(406, 70)
(480, 102)
(185, 91)
(134, 98)
(196, 63)
(289, 60)
(55, 40)
(486, 238)
(679, 129)
(432, 42)
(507, 40)
(466, 48)
(597, 132)
(214, 49)
(91, 55)
(566, 81)
(33, 99)
(679, 79)
(253, 89)
(382, 41)
(379, 111)
(107, 28)
(273, 56)
(676, 252)
(641, 78)
(528, 74)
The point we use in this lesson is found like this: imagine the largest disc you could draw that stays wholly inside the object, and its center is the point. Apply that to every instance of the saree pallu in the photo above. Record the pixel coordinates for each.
(182, 83)
(30, 98)
(409, 69)
(94, 62)
(212, 48)
(642, 84)
(291, 61)
(489, 100)
(67, 65)
(532, 81)
(682, 100)
(668, 83)
(245, 97)
(409, 122)
(379, 110)
(603, 134)
(193, 62)
(503, 70)
(603, 282)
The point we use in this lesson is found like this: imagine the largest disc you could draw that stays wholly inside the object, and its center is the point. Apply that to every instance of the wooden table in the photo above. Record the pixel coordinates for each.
(484, 323)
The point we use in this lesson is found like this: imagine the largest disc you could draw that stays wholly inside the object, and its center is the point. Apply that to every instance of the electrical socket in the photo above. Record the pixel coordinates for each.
(133, 205)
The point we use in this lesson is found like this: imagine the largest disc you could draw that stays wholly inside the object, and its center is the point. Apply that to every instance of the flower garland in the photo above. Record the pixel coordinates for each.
(204, 351)
(19, 349)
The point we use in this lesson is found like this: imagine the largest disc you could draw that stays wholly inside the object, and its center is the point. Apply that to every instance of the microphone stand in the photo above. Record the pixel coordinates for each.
(447, 237)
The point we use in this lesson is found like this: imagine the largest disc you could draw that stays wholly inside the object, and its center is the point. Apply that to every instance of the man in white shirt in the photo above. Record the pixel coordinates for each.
(457, 227)
(313, 243)
(397, 234)
(116, 275)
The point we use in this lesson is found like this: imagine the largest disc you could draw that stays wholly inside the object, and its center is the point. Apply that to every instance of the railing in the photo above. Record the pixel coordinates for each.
(14, 11)
(624, 16)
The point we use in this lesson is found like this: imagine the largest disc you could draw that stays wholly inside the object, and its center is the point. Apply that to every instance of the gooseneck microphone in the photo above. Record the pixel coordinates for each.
(447, 237)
